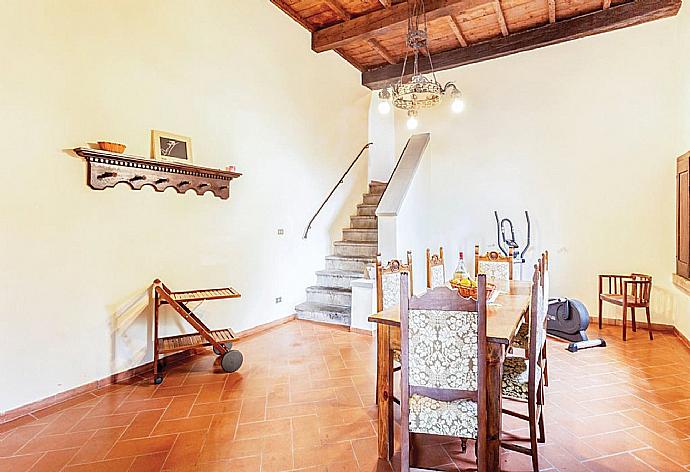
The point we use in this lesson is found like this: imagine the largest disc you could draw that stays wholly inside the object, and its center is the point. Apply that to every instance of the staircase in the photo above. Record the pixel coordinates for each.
(330, 300)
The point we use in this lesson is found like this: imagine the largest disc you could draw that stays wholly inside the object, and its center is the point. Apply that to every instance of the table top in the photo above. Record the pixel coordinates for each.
(503, 316)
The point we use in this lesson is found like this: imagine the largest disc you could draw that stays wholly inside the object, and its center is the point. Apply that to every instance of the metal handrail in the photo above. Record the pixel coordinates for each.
(306, 231)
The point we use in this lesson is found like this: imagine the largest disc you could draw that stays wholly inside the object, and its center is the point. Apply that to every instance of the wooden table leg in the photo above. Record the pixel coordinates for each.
(494, 372)
(384, 395)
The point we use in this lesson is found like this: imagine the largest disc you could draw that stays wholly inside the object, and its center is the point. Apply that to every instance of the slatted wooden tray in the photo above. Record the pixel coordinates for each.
(209, 294)
(192, 340)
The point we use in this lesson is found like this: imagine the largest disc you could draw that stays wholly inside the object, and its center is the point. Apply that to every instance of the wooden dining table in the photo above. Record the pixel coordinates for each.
(503, 319)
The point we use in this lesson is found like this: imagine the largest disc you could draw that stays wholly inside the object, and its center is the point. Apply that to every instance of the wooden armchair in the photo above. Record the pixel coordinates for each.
(628, 291)
(493, 264)
(435, 269)
(443, 379)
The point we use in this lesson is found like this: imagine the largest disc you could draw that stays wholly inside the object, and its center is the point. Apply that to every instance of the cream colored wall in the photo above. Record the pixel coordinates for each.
(584, 136)
(682, 300)
(239, 77)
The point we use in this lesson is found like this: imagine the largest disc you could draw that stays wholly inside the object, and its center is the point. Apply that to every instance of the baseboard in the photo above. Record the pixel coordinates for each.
(594, 320)
(685, 341)
(365, 332)
(83, 393)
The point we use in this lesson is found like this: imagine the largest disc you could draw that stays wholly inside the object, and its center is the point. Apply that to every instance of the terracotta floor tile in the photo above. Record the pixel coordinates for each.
(253, 409)
(56, 441)
(657, 460)
(115, 465)
(262, 428)
(615, 442)
(96, 448)
(20, 462)
(183, 425)
(618, 463)
(54, 461)
(148, 463)
(186, 450)
(137, 447)
(138, 406)
(143, 424)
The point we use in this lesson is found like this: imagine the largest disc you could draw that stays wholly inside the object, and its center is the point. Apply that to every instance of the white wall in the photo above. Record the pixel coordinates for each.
(584, 136)
(240, 79)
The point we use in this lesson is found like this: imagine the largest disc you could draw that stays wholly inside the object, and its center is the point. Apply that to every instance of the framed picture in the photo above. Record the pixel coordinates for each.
(171, 147)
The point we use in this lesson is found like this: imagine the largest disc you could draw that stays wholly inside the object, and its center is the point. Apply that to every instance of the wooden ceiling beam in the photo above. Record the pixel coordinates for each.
(619, 16)
(455, 26)
(338, 9)
(293, 14)
(376, 46)
(501, 18)
(379, 22)
(552, 11)
(607, 4)
(385, 3)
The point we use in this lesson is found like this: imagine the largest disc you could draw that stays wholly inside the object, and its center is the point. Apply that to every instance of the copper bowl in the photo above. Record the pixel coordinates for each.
(111, 147)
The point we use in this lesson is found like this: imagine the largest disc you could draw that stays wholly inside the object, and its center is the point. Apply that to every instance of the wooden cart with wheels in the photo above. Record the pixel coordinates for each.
(220, 339)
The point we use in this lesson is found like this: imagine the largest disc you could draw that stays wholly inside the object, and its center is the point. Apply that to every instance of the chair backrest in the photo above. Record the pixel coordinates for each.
(435, 269)
(537, 325)
(642, 289)
(388, 281)
(443, 348)
(495, 265)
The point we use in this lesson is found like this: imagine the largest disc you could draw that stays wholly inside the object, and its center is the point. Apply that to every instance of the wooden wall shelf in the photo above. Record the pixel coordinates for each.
(107, 169)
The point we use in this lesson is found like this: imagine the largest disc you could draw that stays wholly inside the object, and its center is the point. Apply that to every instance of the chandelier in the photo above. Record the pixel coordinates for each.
(420, 91)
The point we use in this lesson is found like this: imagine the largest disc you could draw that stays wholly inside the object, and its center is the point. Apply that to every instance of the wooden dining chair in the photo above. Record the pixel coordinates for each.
(493, 264)
(388, 291)
(443, 343)
(627, 291)
(521, 339)
(388, 281)
(435, 269)
(522, 377)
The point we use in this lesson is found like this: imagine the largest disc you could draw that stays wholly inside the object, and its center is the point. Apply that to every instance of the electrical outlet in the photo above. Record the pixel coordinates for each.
(281, 231)
(279, 299)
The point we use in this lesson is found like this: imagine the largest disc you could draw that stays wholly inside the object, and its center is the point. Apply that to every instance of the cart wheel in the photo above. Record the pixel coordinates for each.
(158, 380)
(228, 345)
(231, 361)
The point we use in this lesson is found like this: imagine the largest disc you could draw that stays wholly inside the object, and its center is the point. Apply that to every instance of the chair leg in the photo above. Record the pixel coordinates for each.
(634, 324)
(533, 437)
(649, 324)
(600, 303)
(546, 365)
(625, 321)
(542, 430)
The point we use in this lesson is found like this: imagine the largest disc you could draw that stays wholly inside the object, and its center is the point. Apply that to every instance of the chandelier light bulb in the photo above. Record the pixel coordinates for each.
(458, 104)
(412, 121)
(384, 107)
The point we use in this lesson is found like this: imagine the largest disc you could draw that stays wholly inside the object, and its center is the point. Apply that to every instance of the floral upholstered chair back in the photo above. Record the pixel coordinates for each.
(496, 266)
(435, 269)
(443, 341)
(388, 281)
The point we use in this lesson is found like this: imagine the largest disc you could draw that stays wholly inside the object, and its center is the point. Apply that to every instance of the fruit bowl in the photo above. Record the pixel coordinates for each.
(471, 291)
(111, 147)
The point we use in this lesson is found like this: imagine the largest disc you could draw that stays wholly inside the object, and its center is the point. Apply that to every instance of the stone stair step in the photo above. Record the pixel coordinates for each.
(337, 278)
(354, 264)
(371, 198)
(377, 187)
(323, 312)
(360, 234)
(355, 248)
(363, 222)
(366, 210)
(329, 295)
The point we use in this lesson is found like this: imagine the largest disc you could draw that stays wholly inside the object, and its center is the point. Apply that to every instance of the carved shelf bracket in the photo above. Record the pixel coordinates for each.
(107, 169)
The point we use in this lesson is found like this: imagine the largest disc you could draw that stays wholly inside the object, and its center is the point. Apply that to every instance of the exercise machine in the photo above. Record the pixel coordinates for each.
(505, 235)
(568, 319)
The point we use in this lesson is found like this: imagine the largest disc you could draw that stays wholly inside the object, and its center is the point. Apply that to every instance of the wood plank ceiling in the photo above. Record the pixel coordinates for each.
(370, 34)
